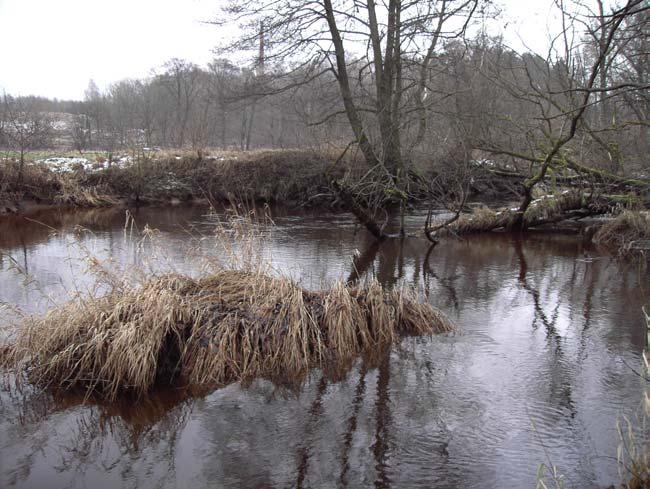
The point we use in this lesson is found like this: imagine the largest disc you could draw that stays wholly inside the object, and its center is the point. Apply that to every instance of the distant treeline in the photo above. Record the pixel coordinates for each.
(479, 94)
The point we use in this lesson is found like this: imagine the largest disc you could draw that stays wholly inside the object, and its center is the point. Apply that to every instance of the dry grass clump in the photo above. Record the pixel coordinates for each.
(73, 193)
(633, 454)
(41, 184)
(36, 182)
(229, 326)
(283, 176)
(628, 232)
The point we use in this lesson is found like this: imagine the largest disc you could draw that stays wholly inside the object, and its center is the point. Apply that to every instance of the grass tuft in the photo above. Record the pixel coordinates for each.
(227, 327)
(628, 232)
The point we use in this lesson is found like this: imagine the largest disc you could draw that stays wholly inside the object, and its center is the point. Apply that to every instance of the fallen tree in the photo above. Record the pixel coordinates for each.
(548, 209)
(579, 174)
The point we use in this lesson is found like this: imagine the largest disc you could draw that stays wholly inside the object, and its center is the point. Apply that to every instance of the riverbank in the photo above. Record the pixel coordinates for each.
(291, 177)
(301, 178)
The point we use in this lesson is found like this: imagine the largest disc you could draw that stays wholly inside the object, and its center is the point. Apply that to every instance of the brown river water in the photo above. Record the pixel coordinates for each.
(544, 362)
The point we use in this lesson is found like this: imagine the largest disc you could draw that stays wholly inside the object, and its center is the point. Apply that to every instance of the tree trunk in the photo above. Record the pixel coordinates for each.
(21, 165)
(344, 86)
(249, 129)
(223, 129)
(359, 212)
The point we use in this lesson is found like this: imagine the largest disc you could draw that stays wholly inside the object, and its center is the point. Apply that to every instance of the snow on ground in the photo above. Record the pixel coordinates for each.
(486, 163)
(122, 160)
(66, 164)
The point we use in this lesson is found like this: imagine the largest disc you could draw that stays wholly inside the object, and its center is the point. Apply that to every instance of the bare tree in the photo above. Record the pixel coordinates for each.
(559, 92)
(25, 128)
(181, 79)
(95, 110)
(80, 132)
(379, 54)
(220, 90)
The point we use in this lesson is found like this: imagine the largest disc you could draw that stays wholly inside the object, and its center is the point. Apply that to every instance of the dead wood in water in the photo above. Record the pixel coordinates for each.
(359, 212)
(544, 210)
(230, 326)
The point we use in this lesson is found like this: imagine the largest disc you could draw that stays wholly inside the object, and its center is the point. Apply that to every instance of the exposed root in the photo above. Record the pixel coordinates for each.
(228, 327)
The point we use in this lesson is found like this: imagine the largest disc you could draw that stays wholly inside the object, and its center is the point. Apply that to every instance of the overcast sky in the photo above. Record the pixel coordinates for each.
(54, 47)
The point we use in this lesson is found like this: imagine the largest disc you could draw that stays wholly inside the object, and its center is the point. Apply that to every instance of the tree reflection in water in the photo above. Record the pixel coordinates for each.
(544, 322)
(100, 436)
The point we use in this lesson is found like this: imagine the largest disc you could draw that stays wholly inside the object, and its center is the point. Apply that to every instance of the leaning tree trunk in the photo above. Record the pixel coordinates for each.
(545, 210)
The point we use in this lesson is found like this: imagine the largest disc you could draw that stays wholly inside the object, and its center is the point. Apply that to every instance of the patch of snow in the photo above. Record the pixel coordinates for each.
(67, 164)
(64, 164)
(483, 162)
(123, 160)
(60, 125)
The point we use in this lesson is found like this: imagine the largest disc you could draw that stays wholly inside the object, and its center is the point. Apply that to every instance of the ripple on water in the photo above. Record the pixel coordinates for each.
(539, 370)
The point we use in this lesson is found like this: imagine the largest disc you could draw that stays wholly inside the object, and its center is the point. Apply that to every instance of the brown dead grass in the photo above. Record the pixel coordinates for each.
(71, 193)
(37, 182)
(227, 327)
(290, 176)
(626, 233)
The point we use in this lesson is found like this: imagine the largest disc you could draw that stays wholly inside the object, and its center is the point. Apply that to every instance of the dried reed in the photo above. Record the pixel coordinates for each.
(627, 232)
(227, 327)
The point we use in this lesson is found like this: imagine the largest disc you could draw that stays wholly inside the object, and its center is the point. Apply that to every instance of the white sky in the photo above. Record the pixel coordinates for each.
(54, 47)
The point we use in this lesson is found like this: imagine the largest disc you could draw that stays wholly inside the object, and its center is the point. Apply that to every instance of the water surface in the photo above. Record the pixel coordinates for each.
(549, 337)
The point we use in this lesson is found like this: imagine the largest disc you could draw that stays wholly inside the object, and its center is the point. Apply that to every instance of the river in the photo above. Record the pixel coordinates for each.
(543, 363)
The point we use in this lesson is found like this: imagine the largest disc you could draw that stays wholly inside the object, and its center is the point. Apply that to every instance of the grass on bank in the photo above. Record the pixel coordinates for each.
(627, 233)
(283, 176)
